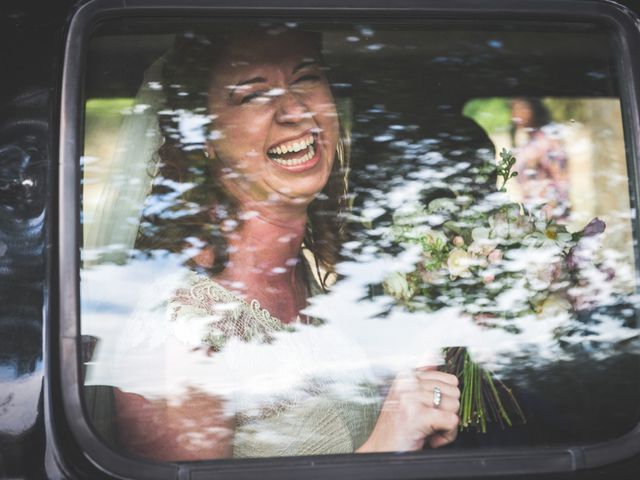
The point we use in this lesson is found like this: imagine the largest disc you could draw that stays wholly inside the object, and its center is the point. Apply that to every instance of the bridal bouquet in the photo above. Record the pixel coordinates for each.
(495, 261)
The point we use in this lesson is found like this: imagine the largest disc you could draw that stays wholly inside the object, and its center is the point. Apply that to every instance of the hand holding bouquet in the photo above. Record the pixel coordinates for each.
(496, 261)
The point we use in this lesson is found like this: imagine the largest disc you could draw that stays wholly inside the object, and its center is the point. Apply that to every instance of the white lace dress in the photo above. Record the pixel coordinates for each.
(294, 389)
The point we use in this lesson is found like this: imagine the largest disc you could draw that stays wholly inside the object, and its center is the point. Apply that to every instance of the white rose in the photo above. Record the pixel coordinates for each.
(459, 262)
(479, 234)
(553, 306)
(397, 286)
(434, 236)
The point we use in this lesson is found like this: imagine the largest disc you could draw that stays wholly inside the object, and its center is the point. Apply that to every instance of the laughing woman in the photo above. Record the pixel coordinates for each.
(258, 214)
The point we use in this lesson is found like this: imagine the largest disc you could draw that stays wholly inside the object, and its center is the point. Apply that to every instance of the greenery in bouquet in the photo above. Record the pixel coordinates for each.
(496, 261)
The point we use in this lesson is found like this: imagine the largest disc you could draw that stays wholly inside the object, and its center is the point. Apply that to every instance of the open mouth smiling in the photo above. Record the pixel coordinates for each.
(296, 153)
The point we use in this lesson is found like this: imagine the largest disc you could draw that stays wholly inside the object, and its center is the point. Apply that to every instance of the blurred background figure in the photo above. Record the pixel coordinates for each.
(542, 162)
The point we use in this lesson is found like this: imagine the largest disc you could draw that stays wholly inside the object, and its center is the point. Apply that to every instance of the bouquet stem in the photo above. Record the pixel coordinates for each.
(484, 399)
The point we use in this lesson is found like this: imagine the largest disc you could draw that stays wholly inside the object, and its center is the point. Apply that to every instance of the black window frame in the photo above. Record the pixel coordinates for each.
(64, 404)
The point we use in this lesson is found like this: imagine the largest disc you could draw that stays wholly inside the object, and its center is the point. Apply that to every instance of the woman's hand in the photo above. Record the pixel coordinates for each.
(409, 415)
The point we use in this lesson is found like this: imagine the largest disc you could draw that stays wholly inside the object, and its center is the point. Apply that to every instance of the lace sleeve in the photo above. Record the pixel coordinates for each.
(219, 315)
(166, 344)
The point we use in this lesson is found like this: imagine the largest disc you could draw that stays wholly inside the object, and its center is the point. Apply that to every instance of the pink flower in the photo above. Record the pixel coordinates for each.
(495, 256)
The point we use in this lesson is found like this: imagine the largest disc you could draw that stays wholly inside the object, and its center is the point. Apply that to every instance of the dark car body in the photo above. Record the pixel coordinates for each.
(37, 439)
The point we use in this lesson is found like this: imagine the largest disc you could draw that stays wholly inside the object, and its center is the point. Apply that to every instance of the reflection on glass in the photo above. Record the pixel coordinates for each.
(286, 253)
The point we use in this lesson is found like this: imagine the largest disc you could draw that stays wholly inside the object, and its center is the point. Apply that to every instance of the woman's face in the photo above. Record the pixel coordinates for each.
(521, 113)
(275, 126)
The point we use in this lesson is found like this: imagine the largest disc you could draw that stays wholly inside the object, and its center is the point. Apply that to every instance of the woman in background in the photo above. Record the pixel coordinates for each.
(542, 163)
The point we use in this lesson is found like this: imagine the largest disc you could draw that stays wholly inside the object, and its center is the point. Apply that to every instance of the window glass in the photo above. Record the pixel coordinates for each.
(314, 238)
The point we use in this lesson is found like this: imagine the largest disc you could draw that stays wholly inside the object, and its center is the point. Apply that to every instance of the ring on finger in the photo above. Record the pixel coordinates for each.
(437, 396)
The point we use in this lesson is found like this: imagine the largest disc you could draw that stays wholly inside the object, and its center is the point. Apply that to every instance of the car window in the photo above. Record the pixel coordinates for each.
(311, 238)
